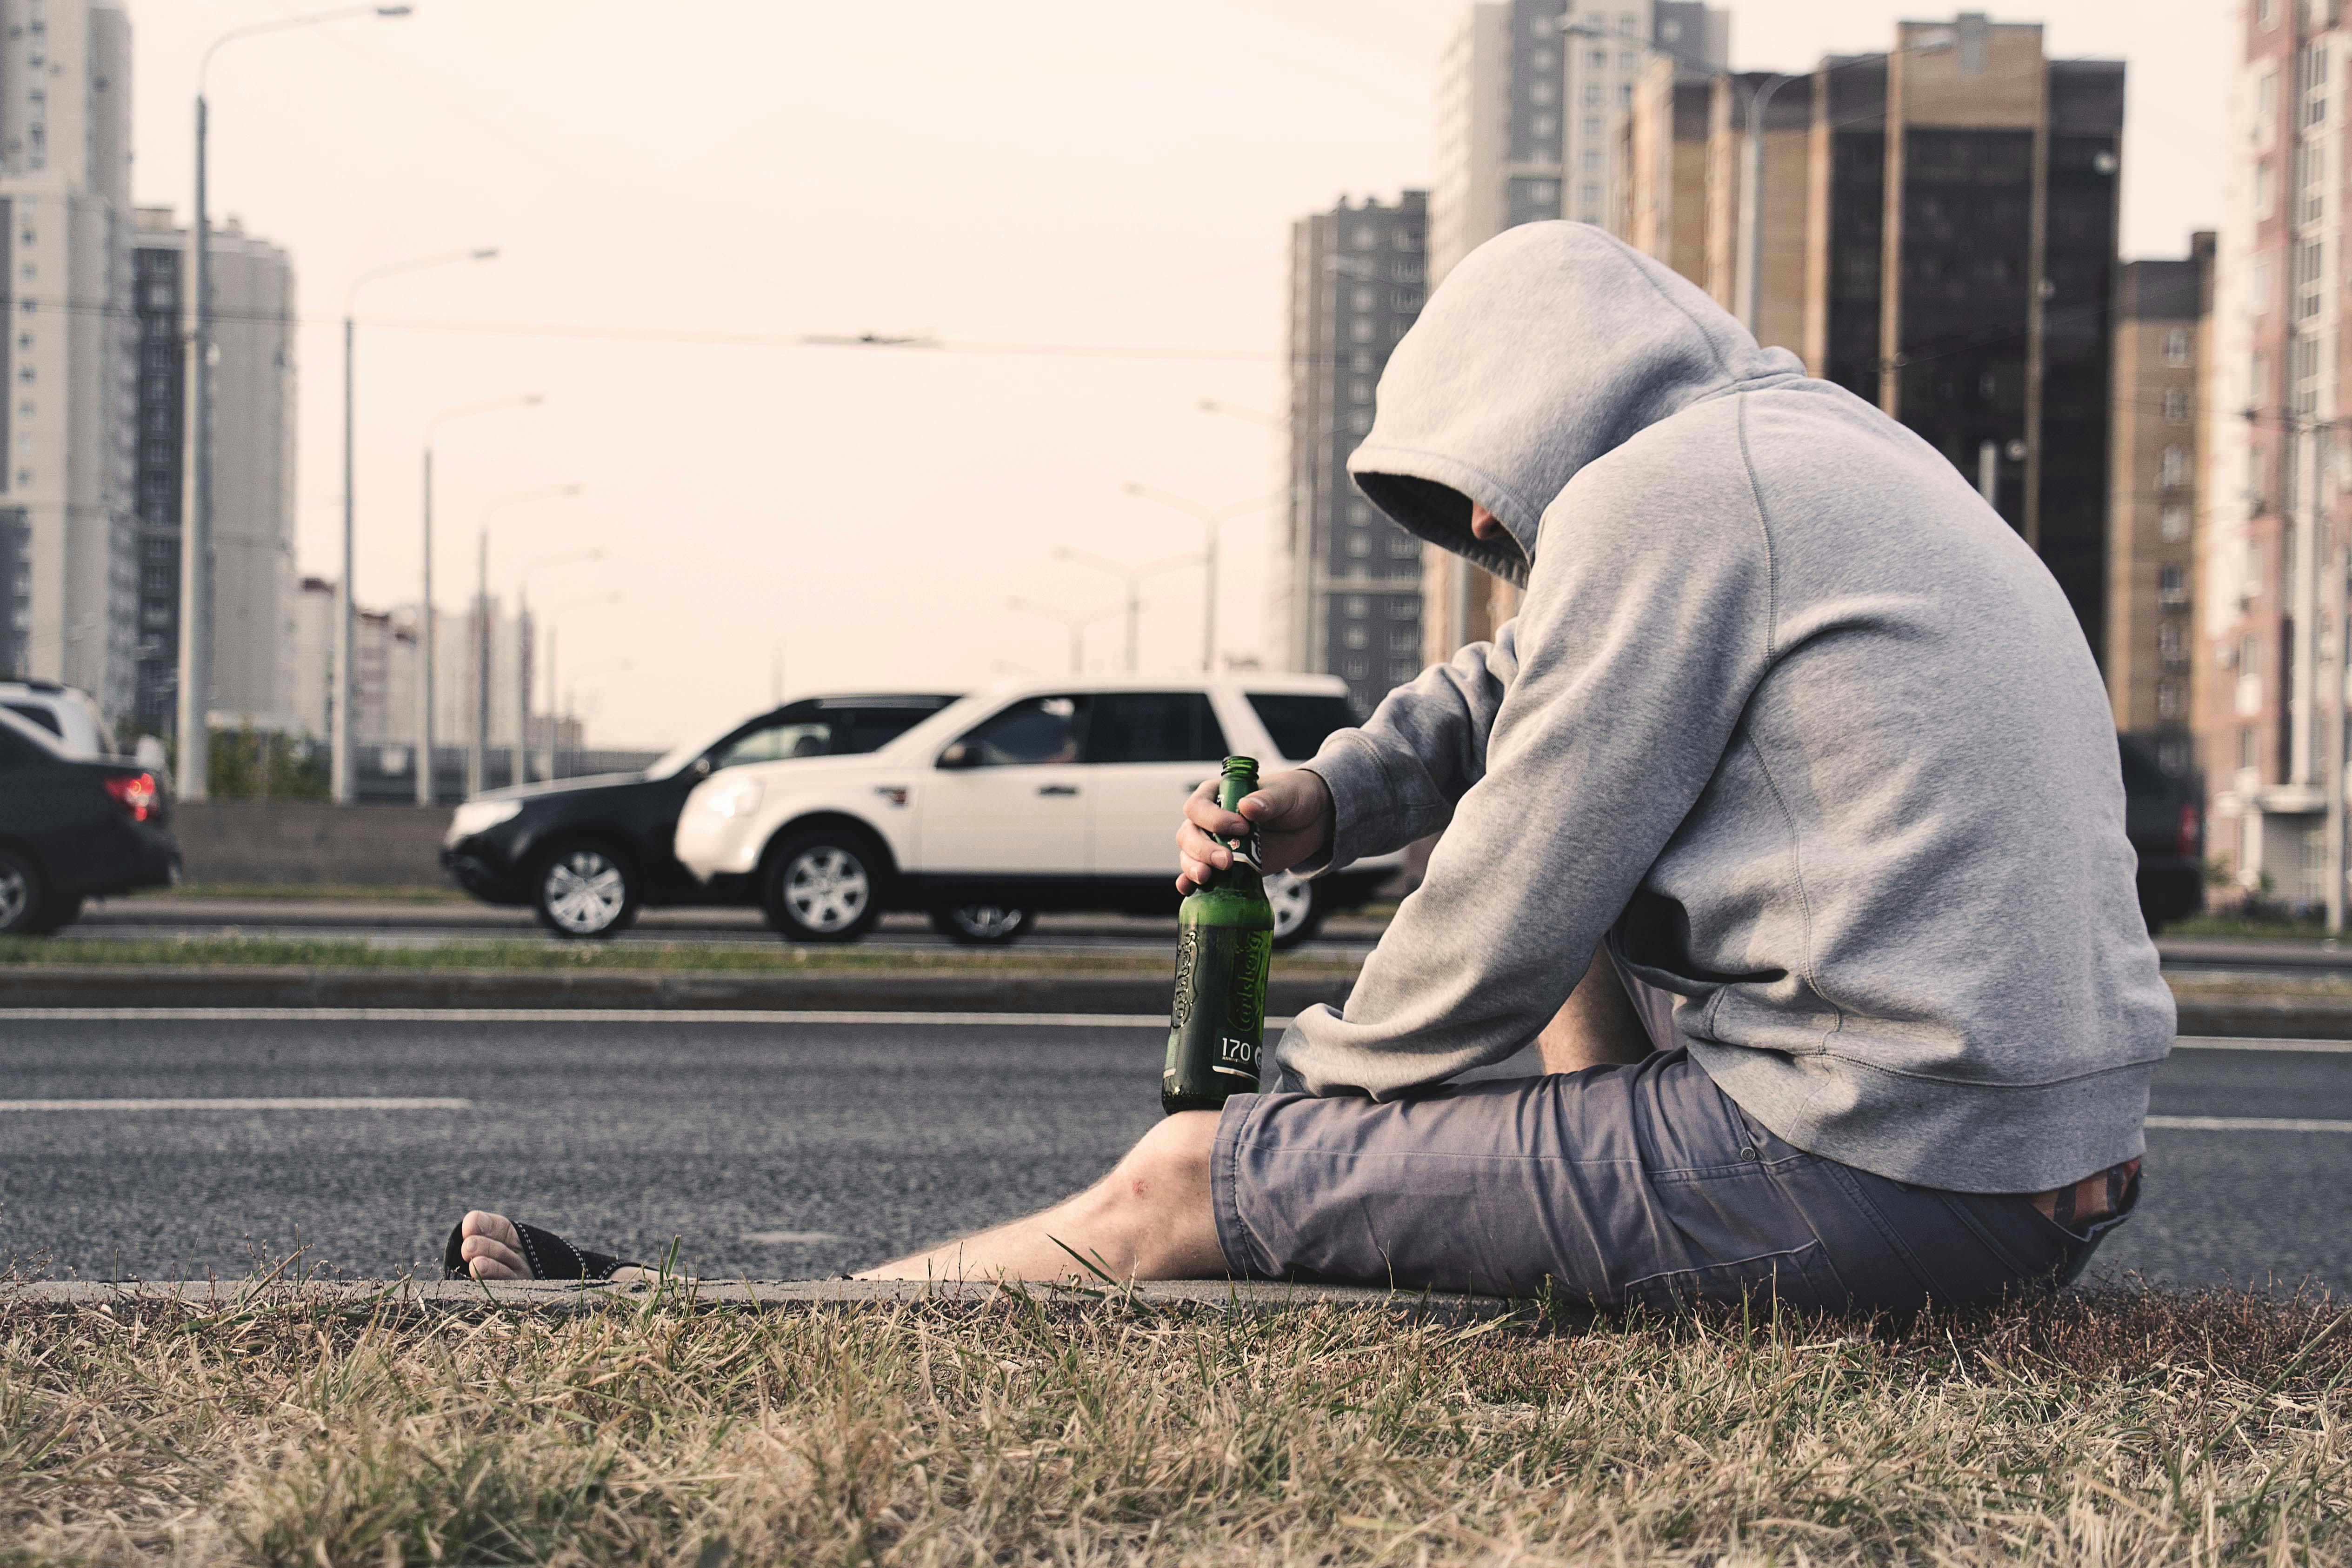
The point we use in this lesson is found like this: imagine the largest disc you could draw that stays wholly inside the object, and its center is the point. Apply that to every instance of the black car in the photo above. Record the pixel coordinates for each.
(2165, 822)
(73, 828)
(587, 854)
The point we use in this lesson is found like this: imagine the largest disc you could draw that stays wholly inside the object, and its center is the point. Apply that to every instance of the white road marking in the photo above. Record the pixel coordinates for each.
(319, 1103)
(2248, 1124)
(2228, 1043)
(787, 1237)
(578, 1015)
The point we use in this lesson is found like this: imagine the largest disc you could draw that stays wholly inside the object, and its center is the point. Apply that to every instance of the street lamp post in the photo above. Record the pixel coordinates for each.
(193, 698)
(554, 707)
(521, 771)
(340, 764)
(1133, 576)
(478, 760)
(424, 648)
(1213, 521)
(1077, 620)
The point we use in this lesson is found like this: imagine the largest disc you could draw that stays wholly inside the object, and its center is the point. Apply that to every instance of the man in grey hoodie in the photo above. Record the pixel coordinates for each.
(1785, 820)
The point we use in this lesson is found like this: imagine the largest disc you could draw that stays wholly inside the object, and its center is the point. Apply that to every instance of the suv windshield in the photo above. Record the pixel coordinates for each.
(1299, 723)
(824, 727)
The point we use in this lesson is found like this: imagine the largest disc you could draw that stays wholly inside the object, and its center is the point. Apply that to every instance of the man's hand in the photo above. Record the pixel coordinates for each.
(1292, 813)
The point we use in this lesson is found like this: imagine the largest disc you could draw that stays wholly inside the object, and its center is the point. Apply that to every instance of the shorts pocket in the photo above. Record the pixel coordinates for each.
(1802, 1277)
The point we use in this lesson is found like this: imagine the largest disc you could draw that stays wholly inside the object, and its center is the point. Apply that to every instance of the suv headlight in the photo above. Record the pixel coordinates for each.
(730, 797)
(481, 817)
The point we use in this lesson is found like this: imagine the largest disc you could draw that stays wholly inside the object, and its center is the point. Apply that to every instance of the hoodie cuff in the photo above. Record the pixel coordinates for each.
(1364, 817)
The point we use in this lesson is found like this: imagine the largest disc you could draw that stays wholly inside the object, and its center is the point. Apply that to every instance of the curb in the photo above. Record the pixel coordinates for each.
(105, 985)
(458, 1296)
(2272, 1017)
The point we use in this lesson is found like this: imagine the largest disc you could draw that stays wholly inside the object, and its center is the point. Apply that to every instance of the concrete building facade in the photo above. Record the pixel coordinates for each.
(1530, 99)
(252, 410)
(2156, 494)
(2275, 457)
(1939, 237)
(66, 358)
(1348, 581)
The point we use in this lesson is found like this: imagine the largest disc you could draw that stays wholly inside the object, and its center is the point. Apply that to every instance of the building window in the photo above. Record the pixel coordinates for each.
(1406, 270)
(2172, 522)
(1539, 91)
(1405, 299)
(1360, 329)
(2249, 746)
(1364, 236)
(1359, 545)
(1594, 96)
(2262, 285)
(1404, 546)
(2313, 69)
(2176, 346)
(2176, 406)
(1400, 671)
(1625, 95)
(1355, 636)
(2168, 641)
(1543, 127)
(1401, 609)
(1360, 391)
(1355, 669)
(2266, 14)
(1403, 640)
(1591, 127)
(1365, 297)
(2250, 655)
(1359, 422)
(2171, 585)
(1358, 606)
(1592, 159)
(1359, 512)
(2168, 700)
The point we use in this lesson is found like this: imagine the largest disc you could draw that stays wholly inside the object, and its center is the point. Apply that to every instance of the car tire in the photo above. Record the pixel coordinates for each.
(58, 914)
(1298, 910)
(583, 891)
(24, 897)
(824, 885)
(982, 925)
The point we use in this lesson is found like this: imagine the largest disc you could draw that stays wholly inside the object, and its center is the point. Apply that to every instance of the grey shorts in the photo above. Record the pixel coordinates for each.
(1615, 1185)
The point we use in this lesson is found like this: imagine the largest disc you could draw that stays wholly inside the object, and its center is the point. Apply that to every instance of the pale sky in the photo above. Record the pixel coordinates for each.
(1045, 173)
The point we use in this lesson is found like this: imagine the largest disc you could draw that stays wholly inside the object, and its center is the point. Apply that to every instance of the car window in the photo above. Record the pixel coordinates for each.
(774, 743)
(35, 713)
(1154, 727)
(1035, 730)
(1299, 723)
(857, 731)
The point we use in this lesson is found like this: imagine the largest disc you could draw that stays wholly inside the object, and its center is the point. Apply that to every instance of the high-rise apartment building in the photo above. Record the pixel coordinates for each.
(1348, 581)
(1530, 97)
(254, 580)
(2276, 458)
(2163, 312)
(1944, 247)
(66, 360)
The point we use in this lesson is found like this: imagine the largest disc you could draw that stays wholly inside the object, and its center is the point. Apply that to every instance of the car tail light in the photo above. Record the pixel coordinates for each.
(2191, 830)
(136, 795)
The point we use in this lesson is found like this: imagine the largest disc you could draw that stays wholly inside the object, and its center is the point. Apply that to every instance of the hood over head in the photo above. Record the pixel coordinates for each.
(1546, 347)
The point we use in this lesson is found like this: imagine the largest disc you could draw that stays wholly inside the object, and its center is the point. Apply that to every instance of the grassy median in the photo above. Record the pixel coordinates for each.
(2105, 1429)
(547, 955)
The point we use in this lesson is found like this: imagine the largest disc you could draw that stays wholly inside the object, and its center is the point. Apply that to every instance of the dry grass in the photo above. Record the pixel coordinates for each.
(2117, 1430)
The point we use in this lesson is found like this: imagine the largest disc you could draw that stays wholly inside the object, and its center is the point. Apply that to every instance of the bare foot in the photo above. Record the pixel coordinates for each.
(493, 1248)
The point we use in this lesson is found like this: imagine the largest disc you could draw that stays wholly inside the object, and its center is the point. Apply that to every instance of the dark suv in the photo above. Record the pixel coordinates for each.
(587, 854)
(73, 828)
(2165, 822)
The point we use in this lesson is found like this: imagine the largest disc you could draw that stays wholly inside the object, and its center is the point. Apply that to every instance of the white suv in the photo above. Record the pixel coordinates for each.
(1047, 795)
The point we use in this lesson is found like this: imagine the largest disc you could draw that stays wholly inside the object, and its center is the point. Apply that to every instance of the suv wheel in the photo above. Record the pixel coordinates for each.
(583, 891)
(22, 900)
(1298, 910)
(824, 886)
(982, 925)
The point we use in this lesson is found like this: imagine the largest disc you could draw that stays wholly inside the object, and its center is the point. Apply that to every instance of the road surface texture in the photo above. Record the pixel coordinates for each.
(781, 1147)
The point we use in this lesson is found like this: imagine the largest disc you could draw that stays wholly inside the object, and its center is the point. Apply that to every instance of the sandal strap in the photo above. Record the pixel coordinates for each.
(549, 1255)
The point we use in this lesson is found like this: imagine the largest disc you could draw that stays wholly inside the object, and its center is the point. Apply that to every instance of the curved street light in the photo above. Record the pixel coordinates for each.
(477, 760)
(1213, 520)
(1129, 574)
(1077, 620)
(340, 764)
(424, 646)
(193, 699)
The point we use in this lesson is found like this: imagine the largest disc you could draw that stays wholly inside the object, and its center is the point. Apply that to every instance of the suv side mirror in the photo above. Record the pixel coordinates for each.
(960, 755)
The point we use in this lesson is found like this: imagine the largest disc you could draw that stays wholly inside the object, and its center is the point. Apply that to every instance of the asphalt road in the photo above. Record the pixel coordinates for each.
(798, 1148)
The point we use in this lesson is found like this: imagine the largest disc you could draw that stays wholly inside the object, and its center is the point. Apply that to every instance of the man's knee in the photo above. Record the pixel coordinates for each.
(1169, 1166)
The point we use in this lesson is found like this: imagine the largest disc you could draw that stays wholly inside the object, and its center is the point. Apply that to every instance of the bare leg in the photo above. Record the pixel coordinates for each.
(1148, 1219)
(1597, 1027)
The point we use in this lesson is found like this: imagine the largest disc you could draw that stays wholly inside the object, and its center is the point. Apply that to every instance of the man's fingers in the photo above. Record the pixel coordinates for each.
(1202, 810)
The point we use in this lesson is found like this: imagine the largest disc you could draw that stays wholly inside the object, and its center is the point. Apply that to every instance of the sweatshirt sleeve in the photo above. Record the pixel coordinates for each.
(1398, 777)
(1647, 624)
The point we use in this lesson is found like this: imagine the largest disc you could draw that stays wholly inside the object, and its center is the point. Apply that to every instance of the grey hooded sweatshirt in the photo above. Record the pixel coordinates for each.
(1786, 696)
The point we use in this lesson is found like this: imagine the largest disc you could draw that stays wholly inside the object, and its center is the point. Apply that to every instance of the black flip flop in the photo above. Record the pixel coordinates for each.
(550, 1256)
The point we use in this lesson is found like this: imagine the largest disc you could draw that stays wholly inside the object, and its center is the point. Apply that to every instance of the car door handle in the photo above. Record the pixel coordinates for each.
(1057, 789)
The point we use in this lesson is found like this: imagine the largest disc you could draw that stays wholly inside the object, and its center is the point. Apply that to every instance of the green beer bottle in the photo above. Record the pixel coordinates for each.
(1225, 938)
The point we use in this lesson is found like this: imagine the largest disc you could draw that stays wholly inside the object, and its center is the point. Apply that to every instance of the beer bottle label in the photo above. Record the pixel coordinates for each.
(1216, 1030)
